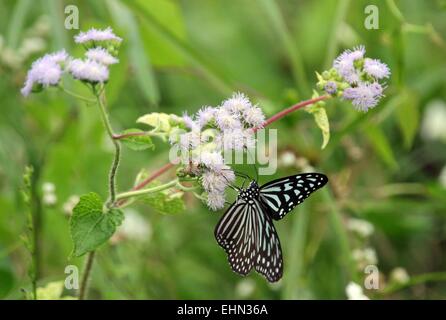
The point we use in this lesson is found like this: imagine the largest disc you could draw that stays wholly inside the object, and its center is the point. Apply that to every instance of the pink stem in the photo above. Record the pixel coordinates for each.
(169, 165)
(285, 112)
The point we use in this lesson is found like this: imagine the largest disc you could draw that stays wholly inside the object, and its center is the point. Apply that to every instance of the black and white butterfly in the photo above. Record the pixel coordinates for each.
(246, 230)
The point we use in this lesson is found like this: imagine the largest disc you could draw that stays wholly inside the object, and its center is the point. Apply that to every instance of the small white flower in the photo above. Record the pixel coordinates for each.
(365, 256)
(245, 288)
(88, 70)
(45, 71)
(101, 55)
(365, 96)
(213, 182)
(254, 117)
(361, 227)
(442, 177)
(69, 205)
(59, 56)
(376, 69)
(357, 53)
(237, 139)
(189, 122)
(399, 275)
(190, 140)
(212, 160)
(205, 116)
(354, 292)
(237, 104)
(48, 187)
(288, 159)
(96, 36)
(216, 200)
(134, 227)
(343, 64)
(226, 120)
(49, 199)
(434, 119)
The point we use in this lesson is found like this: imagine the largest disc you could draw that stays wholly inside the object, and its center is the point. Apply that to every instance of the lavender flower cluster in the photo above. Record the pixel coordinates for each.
(356, 78)
(211, 132)
(48, 70)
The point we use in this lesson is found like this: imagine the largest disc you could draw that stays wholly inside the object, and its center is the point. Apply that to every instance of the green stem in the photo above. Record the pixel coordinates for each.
(100, 96)
(115, 164)
(86, 275)
(135, 193)
(77, 96)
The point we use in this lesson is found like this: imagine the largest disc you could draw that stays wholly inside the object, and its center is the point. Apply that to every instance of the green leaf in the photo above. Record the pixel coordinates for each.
(408, 117)
(52, 291)
(90, 226)
(142, 67)
(165, 201)
(160, 121)
(137, 143)
(381, 145)
(321, 119)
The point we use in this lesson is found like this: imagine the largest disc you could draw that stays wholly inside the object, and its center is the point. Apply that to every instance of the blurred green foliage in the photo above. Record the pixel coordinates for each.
(180, 55)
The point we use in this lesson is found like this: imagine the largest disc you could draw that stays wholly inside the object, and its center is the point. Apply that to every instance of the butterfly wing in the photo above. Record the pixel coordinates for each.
(248, 236)
(282, 195)
(234, 233)
(269, 261)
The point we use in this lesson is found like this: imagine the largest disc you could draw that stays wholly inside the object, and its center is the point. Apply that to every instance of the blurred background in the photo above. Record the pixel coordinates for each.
(386, 201)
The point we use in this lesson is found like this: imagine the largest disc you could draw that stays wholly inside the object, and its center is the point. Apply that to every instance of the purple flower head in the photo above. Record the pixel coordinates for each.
(344, 64)
(331, 87)
(205, 115)
(88, 70)
(357, 53)
(376, 69)
(364, 96)
(216, 200)
(101, 55)
(237, 104)
(254, 117)
(97, 36)
(45, 71)
(227, 120)
(190, 122)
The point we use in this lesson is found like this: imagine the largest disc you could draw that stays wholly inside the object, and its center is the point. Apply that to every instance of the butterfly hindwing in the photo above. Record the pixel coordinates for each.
(283, 195)
(269, 261)
(247, 234)
(235, 234)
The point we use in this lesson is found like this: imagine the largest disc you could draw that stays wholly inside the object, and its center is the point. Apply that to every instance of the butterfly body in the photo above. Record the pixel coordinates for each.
(246, 230)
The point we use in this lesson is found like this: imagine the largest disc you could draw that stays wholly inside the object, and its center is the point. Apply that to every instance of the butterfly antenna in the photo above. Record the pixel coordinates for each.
(254, 163)
(230, 184)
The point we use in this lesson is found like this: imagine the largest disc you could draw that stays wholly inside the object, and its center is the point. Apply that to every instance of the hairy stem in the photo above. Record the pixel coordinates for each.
(293, 108)
(86, 275)
(117, 157)
(135, 193)
(100, 96)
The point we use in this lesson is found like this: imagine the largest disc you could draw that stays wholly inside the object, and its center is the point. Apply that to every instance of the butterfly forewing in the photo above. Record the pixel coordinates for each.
(282, 195)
